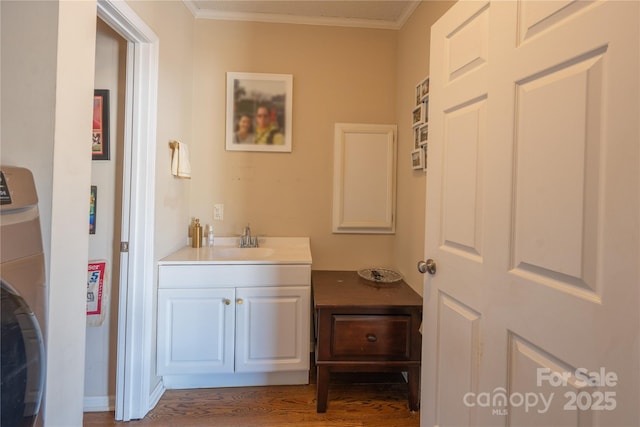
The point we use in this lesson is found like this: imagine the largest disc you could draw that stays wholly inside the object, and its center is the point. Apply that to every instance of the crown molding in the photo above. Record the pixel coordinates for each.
(304, 20)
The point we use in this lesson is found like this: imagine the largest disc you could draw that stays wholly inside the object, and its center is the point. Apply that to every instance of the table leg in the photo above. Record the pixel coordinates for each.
(414, 388)
(322, 379)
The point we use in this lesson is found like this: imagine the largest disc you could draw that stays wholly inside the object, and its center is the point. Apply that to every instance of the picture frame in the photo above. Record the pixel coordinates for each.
(425, 104)
(416, 137)
(424, 89)
(424, 157)
(100, 144)
(417, 159)
(93, 203)
(259, 112)
(423, 134)
(418, 115)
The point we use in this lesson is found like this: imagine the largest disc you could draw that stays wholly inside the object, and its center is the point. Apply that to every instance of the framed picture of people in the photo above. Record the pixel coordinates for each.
(259, 112)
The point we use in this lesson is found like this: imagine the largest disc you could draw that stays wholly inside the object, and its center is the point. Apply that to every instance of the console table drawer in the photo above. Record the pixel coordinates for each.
(371, 336)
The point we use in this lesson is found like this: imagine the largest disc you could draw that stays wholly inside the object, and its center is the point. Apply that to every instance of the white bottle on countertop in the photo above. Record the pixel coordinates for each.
(209, 235)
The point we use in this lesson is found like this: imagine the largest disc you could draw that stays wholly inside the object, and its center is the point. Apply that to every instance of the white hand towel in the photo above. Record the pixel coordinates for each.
(180, 165)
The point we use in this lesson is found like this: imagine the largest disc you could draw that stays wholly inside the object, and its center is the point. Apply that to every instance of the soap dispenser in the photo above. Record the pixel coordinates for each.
(208, 230)
(196, 238)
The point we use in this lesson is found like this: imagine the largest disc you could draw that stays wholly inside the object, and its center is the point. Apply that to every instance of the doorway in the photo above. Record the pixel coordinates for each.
(133, 367)
(105, 230)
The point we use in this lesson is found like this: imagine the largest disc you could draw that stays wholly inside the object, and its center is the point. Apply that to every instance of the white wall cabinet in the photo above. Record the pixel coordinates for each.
(364, 178)
(213, 332)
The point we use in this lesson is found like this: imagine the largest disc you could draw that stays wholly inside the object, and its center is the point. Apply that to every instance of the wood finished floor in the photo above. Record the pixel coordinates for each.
(377, 400)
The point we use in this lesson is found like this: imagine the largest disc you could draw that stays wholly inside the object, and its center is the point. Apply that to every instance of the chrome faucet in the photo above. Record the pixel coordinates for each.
(246, 240)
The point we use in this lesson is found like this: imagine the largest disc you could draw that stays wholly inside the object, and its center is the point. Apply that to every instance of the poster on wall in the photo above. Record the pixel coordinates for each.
(100, 134)
(97, 292)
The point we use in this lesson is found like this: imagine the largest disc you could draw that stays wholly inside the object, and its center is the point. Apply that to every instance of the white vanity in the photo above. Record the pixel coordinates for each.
(230, 316)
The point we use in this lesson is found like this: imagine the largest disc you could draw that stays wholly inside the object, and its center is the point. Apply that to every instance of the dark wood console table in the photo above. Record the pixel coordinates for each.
(364, 326)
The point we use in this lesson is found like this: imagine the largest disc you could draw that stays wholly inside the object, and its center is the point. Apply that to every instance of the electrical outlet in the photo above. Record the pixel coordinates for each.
(218, 211)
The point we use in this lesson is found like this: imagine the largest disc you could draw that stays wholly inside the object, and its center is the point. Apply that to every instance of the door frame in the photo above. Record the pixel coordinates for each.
(135, 314)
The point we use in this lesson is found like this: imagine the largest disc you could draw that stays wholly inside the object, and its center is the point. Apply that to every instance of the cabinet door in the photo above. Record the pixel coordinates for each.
(195, 331)
(272, 329)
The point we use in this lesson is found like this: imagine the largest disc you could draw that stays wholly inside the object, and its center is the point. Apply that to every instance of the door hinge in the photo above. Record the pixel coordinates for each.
(124, 246)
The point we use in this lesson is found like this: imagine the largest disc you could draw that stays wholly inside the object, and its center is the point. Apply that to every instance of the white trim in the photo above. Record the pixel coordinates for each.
(135, 317)
(157, 394)
(298, 19)
(99, 404)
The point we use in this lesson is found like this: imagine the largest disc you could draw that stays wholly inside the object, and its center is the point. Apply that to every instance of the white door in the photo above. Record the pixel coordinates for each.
(272, 329)
(533, 216)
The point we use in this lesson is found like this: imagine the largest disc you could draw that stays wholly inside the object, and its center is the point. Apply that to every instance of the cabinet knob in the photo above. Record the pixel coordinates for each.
(372, 338)
(227, 301)
(239, 301)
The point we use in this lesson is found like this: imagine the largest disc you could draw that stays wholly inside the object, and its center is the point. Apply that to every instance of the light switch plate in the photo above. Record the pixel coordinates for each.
(218, 211)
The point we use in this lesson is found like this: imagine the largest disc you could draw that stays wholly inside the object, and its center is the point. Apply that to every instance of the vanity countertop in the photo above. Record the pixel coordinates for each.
(272, 250)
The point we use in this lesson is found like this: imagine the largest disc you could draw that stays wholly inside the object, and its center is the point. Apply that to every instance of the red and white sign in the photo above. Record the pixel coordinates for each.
(95, 288)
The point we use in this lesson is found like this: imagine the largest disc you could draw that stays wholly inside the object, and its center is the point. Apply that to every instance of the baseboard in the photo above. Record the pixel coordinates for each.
(108, 403)
(156, 395)
(99, 404)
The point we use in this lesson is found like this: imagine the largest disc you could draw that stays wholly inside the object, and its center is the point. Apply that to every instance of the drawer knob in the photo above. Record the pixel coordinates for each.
(239, 301)
(372, 338)
(227, 301)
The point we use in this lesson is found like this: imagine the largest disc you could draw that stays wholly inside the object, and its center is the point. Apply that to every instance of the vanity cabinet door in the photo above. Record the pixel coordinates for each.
(272, 329)
(196, 330)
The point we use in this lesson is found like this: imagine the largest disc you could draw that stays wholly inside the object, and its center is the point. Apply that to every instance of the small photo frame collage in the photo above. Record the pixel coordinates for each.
(420, 123)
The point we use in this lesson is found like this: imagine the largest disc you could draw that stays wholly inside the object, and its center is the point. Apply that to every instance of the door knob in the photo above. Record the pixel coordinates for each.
(428, 266)
(239, 300)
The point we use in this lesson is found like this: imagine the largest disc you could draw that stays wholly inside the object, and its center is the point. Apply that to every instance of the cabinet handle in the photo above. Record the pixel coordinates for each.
(372, 338)
(227, 301)
(239, 301)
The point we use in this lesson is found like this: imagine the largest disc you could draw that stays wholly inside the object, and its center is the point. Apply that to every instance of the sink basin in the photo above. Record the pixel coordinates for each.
(242, 253)
(272, 250)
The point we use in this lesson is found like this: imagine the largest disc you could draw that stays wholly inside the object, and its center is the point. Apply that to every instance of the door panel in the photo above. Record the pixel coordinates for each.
(555, 221)
(466, 44)
(534, 17)
(462, 189)
(532, 215)
(549, 406)
(196, 331)
(272, 329)
(458, 351)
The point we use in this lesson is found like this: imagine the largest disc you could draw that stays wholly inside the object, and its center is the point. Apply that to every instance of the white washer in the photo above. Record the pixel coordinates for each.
(21, 254)
(23, 286)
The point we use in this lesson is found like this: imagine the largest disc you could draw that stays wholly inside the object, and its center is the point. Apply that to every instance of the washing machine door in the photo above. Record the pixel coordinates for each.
(22, 360)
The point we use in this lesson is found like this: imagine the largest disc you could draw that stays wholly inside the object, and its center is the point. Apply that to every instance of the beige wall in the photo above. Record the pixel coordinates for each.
(173, 24)
(339, 75)
(413, 66)
(47, 89)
